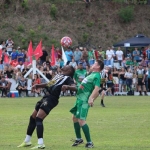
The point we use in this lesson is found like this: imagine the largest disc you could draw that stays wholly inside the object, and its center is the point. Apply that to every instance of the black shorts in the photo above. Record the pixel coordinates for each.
(102, 87)
(140, 83)
(47, 103)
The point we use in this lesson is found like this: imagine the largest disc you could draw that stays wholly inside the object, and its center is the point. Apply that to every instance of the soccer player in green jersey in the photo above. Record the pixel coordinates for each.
(86, 94)
(79, 74)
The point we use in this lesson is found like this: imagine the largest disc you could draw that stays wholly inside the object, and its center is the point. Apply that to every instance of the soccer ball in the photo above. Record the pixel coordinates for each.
(66, 41)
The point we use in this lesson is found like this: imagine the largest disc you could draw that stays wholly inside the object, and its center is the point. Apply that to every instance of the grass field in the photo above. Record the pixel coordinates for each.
(123, 125)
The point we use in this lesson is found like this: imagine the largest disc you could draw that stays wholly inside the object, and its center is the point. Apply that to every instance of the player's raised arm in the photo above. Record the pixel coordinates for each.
(94, 95)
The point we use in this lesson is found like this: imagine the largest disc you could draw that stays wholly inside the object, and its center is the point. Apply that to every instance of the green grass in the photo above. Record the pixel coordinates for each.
(123, 125)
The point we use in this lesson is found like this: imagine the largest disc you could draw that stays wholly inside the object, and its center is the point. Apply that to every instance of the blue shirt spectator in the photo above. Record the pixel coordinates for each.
(148, 53)
(14, 55)
(77, 55)
(69, 55)
(136, 55)
(20, 56)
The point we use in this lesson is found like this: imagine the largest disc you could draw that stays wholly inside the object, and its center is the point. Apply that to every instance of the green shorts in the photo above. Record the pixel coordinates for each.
(80, 110)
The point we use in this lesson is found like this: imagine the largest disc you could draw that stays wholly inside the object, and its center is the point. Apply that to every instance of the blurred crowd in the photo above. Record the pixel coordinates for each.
(127, 70)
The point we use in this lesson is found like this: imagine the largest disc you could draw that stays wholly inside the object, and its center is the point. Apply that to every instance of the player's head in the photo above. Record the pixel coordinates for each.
(68, 71)
(97, 66)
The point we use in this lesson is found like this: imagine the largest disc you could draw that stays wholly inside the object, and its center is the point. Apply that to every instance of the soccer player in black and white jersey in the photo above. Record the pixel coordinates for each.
(61, 82)
(103, 89)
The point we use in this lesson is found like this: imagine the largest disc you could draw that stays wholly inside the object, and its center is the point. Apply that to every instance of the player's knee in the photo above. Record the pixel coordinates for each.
(74, 119)
(39, 121)
(81, 122)
(32, 120)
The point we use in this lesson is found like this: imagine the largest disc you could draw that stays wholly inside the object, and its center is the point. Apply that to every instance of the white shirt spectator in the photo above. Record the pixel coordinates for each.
(73, 64)
(21, 67)
(119, 54)
(110, 54)
(129, 75)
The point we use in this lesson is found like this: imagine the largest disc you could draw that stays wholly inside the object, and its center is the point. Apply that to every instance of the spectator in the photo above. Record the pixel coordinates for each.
(129, 55)
(20, 66)
(109, 80)
(91, 57)
(122, 80)
(148, 52)
(14, 55)
(36, 80)
(73, 63)
(69, 55)
(141, 80)
(58, 53)
(143, 63)
(43, 57)
(85, 56)
(4, 86)
(20, 56)
(136, 55)
(9, 45)
(3, 45)
(8, 72)
(77, 55)
(101, 53)
(14, 63)
(22, 86)
(110, 57)
(129, 76)
(119, 55)
(148, 77)
(25, 70)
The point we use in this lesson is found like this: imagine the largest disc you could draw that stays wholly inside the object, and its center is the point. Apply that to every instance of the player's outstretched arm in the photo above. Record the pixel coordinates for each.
(39, 85)
(69, 87)
(94, 95)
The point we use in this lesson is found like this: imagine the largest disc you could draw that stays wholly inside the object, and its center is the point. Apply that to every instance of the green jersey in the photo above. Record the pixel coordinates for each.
(79, 75)
(87, 86)
(129, 63)
(90, 55)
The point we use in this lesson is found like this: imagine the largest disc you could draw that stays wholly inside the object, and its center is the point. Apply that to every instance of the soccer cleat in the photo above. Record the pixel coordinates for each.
(89, 145)
(102, 105)
(39, 147)
(77, 142)
(25, 144)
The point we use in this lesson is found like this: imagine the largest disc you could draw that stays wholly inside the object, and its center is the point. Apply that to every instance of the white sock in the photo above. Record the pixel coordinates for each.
(40, 141)
(27, 139)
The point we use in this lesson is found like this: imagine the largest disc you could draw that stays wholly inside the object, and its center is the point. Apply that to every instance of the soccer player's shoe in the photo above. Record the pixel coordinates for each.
(39, 146)
(102, 105)
(77, 142)
(89, 145)
(25, 144)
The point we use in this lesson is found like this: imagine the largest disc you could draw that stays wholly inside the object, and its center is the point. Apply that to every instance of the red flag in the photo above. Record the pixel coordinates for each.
(30, 51)
(52, 56)
(6, 59)
(38, 51)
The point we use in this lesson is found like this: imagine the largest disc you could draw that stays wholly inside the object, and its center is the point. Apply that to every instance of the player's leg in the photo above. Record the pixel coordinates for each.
(83, 111)
(144, 89)
(30, 130)
(77, 130)
(48, 103)
(86, 132)
(139, 87)
(102, 98)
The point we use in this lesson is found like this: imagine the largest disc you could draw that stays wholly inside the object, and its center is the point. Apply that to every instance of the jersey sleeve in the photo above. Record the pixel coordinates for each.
(69, 81)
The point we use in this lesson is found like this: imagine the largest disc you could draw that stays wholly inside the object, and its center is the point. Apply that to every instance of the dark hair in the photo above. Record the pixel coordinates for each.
(101, 64)
(72, 72)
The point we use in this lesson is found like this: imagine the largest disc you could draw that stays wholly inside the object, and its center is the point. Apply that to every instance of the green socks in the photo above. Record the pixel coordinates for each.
(77, 130)
(86, 131)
